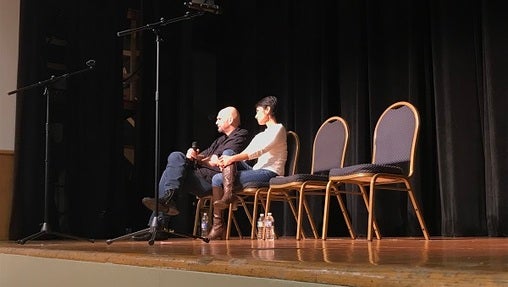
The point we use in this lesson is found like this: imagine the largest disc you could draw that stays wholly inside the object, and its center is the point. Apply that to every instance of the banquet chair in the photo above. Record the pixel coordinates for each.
(394, 147)
(328, 152)
(252, 194)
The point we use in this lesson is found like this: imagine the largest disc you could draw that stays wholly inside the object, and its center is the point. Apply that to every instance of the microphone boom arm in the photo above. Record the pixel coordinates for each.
(162, 22)
(52, 79)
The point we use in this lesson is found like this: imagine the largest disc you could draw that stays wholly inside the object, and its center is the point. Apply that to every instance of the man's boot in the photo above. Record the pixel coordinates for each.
(166, 203)
(218, 231)
(228, 181)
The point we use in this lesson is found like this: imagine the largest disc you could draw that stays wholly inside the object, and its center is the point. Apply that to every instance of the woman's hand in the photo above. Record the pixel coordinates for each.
(225, 160)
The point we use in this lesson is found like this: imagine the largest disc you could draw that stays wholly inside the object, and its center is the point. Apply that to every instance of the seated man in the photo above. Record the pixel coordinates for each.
(193, 172)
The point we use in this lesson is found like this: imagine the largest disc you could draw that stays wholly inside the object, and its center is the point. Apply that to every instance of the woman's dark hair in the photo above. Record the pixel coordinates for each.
(269, 101)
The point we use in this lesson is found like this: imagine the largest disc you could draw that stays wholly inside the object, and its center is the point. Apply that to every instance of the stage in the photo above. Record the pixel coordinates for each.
(343, 262)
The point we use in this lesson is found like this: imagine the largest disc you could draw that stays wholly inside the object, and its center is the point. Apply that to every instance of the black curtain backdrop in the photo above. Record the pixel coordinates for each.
(347, 58)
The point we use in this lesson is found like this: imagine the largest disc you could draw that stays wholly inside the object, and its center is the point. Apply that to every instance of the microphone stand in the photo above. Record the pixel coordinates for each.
(154, 228)
(46, 229)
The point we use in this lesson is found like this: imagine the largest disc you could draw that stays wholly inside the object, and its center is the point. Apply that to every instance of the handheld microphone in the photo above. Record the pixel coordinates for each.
(90, 63)
(194, 146)
(204, 6)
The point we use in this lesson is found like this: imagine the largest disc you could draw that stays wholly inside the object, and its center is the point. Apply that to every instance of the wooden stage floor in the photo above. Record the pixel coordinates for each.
(386, 262)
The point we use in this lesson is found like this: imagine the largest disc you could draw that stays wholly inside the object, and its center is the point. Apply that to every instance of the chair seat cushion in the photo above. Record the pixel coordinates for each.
(255, 184)
(366, 168)
(278, 180)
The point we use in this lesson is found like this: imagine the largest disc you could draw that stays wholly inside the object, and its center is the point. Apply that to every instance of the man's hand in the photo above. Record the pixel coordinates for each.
(192, 153)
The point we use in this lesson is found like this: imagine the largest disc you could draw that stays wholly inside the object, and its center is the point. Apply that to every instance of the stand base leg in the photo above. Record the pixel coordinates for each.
(46, 230)
(153, 235)
(152, 230)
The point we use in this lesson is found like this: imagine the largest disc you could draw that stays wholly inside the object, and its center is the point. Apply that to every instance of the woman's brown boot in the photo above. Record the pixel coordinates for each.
(218, 231)
(228, 182)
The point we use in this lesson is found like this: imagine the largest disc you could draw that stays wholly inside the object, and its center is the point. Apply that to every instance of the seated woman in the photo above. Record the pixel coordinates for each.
(268, 147)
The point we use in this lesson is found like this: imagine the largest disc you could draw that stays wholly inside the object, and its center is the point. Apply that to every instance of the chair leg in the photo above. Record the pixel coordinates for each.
(247, 212)
(299, 220)
(228, 225)
(371, 212)
(417, 210)
(232, 218)
(309, 216)
(303, 202)
(343, 208)
(289, 200)
(199, 205)
(237, 226)
(253, 222)
(268, 200)
(366, 201)
(267, 209)
(326, 209)
(246, 209)
(345, 214)
(372, 216)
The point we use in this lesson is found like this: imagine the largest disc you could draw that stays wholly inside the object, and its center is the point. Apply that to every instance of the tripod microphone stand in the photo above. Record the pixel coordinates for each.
(154, 224)
(45, 228)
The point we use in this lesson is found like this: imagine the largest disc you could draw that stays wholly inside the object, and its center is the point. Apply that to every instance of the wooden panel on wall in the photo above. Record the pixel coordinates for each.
(6, 188)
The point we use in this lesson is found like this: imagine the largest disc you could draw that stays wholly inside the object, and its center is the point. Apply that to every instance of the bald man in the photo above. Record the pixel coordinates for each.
(192, 172)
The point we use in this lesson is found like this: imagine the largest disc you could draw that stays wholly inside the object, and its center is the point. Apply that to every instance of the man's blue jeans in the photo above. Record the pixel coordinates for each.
(180, 177)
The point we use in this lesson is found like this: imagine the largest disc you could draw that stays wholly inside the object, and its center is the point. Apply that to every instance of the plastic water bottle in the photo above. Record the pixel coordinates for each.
(204, 224)
(261, 226)
(269, 227)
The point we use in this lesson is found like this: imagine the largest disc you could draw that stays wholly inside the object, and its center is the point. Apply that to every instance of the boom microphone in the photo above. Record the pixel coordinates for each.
(204, 6)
